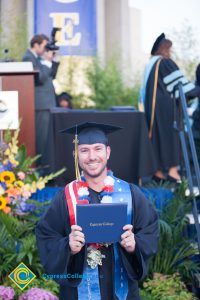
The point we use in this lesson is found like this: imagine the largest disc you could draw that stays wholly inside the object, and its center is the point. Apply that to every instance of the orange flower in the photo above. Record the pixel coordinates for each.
(7, 210)
(13, 192)
(3, 205)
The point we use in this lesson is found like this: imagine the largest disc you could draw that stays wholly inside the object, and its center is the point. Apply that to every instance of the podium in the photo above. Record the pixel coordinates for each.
(23, 82)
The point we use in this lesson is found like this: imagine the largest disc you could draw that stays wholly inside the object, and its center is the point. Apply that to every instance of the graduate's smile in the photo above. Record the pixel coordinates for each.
(93, 158)
(93, 165)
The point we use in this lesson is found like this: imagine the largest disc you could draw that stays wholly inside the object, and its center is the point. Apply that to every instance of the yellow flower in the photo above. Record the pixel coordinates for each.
(26, 191)
(7, 152)
(19, 183)
(5, 161)
(14, 162)
(7, 177)
(33, 187)
(40, 184)
(14, 149)
(9, 185)
(1, 191)
(3, 203)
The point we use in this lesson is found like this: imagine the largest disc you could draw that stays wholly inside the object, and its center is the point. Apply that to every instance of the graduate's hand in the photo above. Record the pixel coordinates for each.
(76, 239)
(127, 239)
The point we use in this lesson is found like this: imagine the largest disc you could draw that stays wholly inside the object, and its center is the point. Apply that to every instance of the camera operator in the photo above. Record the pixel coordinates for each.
(41, 59)
(50, 58)
(51, 52)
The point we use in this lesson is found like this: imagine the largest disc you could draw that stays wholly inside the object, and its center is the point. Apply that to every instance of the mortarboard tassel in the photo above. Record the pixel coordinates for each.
(78, 176)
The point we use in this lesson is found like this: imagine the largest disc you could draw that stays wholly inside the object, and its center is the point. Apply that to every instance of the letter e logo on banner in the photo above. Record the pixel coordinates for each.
(66, 21)
(66, 1)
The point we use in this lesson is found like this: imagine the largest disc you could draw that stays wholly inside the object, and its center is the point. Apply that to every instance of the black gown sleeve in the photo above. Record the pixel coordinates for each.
(145, 228)
(198, 75)
(168, 66)
(52, 235)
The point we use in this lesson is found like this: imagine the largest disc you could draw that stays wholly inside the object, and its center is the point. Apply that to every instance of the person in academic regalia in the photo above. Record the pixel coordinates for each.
(96, 271)
(196, 117)
(161, 78)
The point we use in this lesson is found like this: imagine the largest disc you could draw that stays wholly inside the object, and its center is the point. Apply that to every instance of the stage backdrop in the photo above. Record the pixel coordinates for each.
(77, 20)
(132, 154)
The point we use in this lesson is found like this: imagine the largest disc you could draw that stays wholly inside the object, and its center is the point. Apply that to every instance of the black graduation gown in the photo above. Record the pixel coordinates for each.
(165, 139)
(198, 75)
(52, 233)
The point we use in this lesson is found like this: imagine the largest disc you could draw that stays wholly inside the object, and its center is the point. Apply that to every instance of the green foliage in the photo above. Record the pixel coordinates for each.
(107, 86)
(175, 252)
(16, 40)
(165, 287)
(145, 295)
(25, 162)
(17, 244)
(185, 49)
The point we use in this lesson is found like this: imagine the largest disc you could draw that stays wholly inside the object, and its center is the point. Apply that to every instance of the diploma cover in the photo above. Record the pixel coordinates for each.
(102, 223)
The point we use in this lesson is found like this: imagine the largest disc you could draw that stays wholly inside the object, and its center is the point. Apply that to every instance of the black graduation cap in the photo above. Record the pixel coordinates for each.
(91, 132)
(65, 96)
(157, 43)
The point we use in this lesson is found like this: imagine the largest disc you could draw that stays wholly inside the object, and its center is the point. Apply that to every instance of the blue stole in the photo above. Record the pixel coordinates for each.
(89, 287)
(147, 72)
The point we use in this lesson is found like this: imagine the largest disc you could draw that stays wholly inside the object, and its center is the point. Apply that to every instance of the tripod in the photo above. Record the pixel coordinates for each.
(184, 117)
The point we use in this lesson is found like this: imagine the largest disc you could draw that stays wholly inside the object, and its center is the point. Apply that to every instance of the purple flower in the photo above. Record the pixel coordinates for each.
(1, 168)
(3, 185)
(8, 167)
(37, 294)
(6, 293)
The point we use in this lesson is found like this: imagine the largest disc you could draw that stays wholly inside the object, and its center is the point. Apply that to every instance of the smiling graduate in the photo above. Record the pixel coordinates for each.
(106, 271)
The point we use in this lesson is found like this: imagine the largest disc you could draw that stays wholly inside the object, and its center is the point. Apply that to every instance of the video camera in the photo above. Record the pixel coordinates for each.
(51, 45)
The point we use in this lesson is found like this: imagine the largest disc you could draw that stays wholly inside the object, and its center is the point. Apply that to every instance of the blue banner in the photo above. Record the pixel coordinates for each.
(77, 20)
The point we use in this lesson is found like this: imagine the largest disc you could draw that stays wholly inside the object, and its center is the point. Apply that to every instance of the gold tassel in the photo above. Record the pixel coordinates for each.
(75, 141)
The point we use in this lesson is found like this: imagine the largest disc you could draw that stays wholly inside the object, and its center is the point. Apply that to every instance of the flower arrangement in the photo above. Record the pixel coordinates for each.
(8, 293)
(18, 179)
(37, 293)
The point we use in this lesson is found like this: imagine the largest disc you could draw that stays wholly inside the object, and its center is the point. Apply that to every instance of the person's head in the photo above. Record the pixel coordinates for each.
(92, 150)
(38, 43)
(64, 100)
(162, 46)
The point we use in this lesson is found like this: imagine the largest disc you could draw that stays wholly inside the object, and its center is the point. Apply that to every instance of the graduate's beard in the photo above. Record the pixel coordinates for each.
(88, 174)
